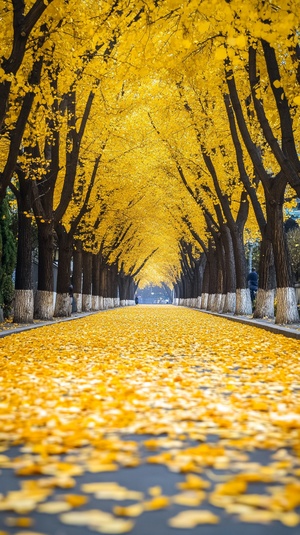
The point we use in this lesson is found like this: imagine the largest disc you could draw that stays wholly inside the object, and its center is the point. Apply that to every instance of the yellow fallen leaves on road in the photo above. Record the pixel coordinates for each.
(21, 521)
(191, 519)
(232, 487)
(131, 510)
(97, 520)
(190, 498)
(158, 502)
(193, 482)
(76, 500)
(110, 490)
(53, 507)
(160, 388)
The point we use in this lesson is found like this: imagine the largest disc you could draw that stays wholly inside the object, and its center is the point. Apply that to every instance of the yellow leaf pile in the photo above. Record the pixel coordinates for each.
(150, 386)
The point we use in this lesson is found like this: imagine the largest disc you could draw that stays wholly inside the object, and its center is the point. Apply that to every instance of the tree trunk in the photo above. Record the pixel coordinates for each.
(176, 292)
(243, 300)
(87, 263)
(43, 306)
(286, 311)
(103, 283)
(114, 284)
(124, 285)
(213, 277)
(95, 281)
(109, 301)
(77, 275)
(24, 302)
(63, 305)
(230, 275)
(23, 306)
(264, 303)
(206, 284)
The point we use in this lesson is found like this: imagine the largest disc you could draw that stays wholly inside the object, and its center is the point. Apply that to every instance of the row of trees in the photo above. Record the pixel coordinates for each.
(141, 140)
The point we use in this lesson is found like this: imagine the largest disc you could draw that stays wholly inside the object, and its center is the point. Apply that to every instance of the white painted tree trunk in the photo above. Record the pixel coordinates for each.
(86, 302)
(23, 306)
(116, 301)
(287, 311)
(230, 302)
(216, 305)
(204, 301)
(210, 301)
(175, 301)
(78, 299)
(108, 302)
(264, 304)
(123, 303)
(95, 302)
(243, 302)
(198, 305)
(63, 305)
(43, 305)
(101, 303)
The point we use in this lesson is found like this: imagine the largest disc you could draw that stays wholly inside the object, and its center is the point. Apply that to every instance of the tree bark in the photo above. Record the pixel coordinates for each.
(77, 274)
(63, 305)
(87, 263)
(95, 281)
(44, 297)
(23, 299)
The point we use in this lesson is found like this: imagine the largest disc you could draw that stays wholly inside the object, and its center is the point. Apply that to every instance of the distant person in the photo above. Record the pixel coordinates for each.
(252, 280)
(136, 300)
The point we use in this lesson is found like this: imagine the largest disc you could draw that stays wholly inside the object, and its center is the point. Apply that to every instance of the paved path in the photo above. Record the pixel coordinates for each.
(164, 401)
(291, 331)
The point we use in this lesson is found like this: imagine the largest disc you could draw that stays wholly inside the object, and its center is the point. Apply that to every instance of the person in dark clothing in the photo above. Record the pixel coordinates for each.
(136, 300)
(252, 280)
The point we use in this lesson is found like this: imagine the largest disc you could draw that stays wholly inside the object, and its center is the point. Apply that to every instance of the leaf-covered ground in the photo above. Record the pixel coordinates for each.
(149, 419)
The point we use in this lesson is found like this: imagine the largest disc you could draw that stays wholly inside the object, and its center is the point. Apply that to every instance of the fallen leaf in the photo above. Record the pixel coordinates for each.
(21, 522)
(76, 500)
(190, 498)
(131, 510)
(53, 507)
(90, 517)
(115, 525)
(190, 519)
(158, 502)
